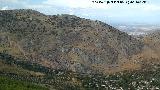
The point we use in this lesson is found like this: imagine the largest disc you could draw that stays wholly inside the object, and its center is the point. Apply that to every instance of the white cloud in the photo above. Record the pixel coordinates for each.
(152, 8)
(87, 4)
(5, 8)
(36, 6)
(85, 14)
(10, 1)
(76, 4)
(143, 7)
(71, 12)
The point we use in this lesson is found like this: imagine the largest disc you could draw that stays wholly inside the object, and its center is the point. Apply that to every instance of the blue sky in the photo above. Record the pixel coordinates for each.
(148, 13)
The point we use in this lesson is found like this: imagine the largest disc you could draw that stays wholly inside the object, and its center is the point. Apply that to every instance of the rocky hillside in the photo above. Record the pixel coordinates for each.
(65, 42)
(152, 40)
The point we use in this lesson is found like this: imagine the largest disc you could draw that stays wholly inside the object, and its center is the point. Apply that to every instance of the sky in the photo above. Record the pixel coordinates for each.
(147, 13)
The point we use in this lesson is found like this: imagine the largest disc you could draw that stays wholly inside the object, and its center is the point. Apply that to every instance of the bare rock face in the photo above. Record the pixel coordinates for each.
(64, 41)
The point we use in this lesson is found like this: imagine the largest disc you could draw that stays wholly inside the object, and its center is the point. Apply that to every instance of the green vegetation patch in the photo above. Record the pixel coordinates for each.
(9, 84)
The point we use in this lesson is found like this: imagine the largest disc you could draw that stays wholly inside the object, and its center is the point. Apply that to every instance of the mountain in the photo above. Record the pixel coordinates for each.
(152, 40)
(66, 52)
(64, 41)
